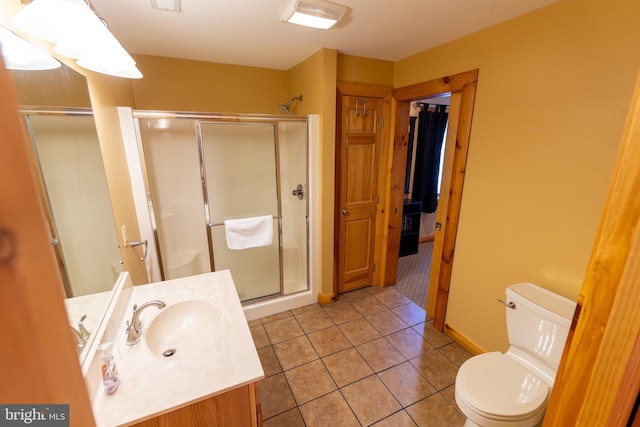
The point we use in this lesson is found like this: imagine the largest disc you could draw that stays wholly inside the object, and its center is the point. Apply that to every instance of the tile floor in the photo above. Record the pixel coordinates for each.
(372, 358)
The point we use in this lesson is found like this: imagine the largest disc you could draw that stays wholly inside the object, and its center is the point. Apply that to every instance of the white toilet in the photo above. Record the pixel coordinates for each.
(512, 389)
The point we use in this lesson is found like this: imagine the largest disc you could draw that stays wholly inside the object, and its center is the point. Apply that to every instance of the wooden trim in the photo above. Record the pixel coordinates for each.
(426, 239)
(462, 88)
(598, 380)
(396, 191)
(384, 175)
(40, 364)
(465, 342)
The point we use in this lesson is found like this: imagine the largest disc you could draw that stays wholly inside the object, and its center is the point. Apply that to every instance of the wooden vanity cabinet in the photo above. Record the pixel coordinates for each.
(239, 407)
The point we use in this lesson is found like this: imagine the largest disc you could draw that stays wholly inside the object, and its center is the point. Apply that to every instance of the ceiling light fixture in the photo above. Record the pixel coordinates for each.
(19, 54)
(77, 32)
(169, 5)
(321, 14)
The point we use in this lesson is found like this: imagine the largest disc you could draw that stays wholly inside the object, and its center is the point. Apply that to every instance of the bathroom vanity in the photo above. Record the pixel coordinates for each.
(195, 363)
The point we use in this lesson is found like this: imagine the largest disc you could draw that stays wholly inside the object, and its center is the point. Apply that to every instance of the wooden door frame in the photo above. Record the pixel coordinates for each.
(462, 88)
(599, 375)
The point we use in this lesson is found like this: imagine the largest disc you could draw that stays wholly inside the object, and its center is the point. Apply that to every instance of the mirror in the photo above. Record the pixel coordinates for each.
(74, 190)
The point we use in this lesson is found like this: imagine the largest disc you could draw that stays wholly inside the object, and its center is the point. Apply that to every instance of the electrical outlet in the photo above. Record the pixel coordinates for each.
(124, 235)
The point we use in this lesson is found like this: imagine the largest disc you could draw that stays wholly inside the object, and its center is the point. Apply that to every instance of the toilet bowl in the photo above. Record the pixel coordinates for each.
(512, 389)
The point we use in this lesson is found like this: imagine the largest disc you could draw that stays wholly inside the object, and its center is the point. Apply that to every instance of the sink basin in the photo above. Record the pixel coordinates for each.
(182, 328)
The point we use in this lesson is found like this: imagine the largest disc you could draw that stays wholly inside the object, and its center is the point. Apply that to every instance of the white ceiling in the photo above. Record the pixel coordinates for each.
(250, 32)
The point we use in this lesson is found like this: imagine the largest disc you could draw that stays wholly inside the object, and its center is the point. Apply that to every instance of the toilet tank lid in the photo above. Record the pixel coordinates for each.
(551, 301)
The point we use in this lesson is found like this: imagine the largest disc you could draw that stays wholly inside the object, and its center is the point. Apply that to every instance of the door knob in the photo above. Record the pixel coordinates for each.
(345, 212)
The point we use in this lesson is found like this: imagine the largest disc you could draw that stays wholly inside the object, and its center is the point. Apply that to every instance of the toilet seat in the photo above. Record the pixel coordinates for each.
(496, 388)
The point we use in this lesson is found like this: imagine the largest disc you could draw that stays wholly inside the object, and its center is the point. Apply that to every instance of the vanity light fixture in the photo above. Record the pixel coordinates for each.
(19, 54)
(77, 32)
(321, 14)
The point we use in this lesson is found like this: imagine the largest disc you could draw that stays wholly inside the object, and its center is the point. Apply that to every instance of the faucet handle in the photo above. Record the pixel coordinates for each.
(83, 331)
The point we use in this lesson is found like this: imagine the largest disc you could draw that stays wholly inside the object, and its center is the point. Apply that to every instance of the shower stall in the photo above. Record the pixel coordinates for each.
(203, 172)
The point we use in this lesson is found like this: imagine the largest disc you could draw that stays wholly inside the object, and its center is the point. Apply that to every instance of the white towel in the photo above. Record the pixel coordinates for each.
(252, 232)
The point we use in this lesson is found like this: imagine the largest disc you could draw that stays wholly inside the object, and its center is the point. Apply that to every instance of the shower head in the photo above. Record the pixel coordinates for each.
(286, 107)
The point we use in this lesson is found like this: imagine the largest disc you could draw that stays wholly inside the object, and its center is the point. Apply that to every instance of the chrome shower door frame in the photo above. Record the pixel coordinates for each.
(203, 118)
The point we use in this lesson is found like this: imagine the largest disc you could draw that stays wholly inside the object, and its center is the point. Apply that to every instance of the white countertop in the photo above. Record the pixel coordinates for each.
(163, 385)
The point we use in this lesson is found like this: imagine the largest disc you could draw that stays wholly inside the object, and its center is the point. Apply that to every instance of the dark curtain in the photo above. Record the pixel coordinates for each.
(431, 128)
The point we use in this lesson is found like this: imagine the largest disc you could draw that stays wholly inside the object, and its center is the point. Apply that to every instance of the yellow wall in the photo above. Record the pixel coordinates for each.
(106, 94)
(365, 70)
(315, 78)
(185, 85)
(61, 87)
(553, 93)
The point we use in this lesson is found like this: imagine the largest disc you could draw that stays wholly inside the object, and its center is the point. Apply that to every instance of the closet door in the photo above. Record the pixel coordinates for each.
(358, 172)
(241, 181)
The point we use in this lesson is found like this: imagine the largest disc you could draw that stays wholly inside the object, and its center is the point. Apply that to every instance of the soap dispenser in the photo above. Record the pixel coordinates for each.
(110, 379)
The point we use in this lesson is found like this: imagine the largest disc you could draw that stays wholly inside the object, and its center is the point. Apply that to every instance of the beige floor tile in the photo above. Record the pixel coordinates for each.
(291, 418)
(376, 289)
(386, 322)
(269, 361)
(370, 400)
(406, 384)
(436, 368)
(277, 316)
(347, 367)
(435, 411)
(449, 393)
(275, 396)
(359, 293)
(342, 313)
(368, 305)
(314, 320)
(392, 298)
(295, 352)
(380, 354)
(329, 341)
(260, 337)
(283, 329)
(436, 338)
(399, 419)
(409, 343)
(310, 381)
(456, 353)
(359, 331)
(330, 410)
(255, 322)
(411, 313)
(305, 308)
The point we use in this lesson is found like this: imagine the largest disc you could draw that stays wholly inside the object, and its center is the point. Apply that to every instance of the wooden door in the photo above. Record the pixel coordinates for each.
(358, 167)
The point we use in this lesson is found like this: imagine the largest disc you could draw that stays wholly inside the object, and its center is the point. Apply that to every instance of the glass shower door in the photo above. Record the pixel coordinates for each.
(240, 165)
(171, 157)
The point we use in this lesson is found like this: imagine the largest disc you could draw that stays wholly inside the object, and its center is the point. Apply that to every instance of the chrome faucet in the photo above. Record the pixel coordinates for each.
(81, 342)
(134, 327)
(81, 334)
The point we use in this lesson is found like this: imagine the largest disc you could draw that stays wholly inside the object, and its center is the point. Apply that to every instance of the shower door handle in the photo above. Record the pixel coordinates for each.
(345, 212)
(298, 192)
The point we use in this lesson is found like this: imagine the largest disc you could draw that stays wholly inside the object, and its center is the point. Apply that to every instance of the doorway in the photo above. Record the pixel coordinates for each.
(462, 88)
(428, 123)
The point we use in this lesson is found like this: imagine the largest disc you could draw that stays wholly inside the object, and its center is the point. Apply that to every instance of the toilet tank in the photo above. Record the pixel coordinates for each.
(539, 324)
